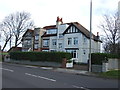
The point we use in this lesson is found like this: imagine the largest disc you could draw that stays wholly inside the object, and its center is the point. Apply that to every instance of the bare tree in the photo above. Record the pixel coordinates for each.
(5, 36)
(17, 23)
(111, 27)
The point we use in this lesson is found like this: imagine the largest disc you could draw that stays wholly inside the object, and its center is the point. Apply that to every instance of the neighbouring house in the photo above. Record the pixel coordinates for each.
(67, 37)
(38, 32)
(31, 40)
(28, 40)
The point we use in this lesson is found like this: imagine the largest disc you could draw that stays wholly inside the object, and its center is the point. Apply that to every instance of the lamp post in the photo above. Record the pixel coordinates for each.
(90, 35)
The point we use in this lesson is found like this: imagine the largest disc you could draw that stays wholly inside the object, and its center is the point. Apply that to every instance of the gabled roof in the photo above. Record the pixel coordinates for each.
(28, 30)
(83, 30)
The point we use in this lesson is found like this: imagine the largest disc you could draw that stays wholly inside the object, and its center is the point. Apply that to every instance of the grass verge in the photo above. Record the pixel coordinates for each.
(115, 74)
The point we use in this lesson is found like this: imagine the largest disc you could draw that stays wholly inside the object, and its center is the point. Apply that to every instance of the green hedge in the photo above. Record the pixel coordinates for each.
(98, 58)
(40, 56)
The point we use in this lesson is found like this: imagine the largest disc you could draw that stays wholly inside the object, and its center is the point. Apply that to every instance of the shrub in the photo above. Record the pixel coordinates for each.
(40, 56)
(98, 58)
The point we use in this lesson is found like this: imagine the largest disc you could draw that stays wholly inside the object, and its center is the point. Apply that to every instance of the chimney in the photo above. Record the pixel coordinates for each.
(98, 35)
(59, 21)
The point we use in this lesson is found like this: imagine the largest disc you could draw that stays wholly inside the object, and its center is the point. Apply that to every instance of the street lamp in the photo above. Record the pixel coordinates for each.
(90, 35)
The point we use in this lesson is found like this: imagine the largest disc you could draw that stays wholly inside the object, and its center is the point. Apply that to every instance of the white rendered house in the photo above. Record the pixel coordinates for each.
(70, 37)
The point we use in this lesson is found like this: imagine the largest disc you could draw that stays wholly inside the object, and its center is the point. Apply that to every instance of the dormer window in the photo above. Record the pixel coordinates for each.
(51, 31)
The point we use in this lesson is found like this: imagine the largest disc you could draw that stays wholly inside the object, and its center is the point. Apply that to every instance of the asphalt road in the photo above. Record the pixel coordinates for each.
(23, 76)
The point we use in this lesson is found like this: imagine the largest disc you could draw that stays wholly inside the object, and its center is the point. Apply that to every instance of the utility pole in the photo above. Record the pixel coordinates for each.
(90, 35)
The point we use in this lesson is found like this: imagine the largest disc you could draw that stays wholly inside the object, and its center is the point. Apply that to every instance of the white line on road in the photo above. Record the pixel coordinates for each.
(75, 86)
(84, 88)
(46, 68)
(80, 87)
(7, 69)
(31, 66)
(40, 77)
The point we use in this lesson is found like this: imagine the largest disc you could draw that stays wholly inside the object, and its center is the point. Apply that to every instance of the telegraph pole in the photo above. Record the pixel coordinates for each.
(90, 35)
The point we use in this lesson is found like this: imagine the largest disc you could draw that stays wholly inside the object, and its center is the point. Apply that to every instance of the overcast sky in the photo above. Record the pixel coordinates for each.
(45, 12)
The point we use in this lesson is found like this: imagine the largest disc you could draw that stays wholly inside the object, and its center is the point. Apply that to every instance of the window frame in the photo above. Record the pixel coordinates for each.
(69, 42)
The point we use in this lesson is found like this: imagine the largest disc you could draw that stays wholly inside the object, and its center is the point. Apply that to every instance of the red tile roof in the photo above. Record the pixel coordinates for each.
(48, 35)
(50, 27)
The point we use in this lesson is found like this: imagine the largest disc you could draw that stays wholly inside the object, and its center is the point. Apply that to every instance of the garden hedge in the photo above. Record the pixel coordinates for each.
(98, 58)
(40, 56)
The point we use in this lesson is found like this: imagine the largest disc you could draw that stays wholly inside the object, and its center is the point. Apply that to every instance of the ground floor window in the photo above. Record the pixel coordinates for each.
(74, 53)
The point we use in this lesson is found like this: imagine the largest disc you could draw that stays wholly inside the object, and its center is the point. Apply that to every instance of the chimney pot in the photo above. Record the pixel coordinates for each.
(97, 33)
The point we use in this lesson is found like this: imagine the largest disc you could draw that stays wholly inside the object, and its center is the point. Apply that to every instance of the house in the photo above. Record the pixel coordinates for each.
(66, 37)
(31, 40)
(28, 40)
(70, 37)
(38, 32)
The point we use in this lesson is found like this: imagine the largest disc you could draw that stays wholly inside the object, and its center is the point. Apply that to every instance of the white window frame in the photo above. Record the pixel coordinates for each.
(69, 42)
(54, 42)
(75, 40)
(36, 37)
(45, 43)
(51, 31)
(60, 45)
(74, 53)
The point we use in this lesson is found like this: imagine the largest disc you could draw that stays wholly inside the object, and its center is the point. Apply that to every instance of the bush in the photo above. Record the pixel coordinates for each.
(98, 58)
(40, 56)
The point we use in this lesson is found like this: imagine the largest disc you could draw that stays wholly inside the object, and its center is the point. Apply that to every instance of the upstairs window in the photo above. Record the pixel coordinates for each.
(36, 37)
(54, 42)
(51, 31)
(69, 41)
(84, 39)
(75, 40)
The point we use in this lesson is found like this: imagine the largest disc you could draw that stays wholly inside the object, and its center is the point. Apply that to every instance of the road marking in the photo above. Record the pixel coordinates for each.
(46, 68)
(41, 77)
(84, 88)
(7, 69)
(75, 86)
(31, 66)
(80, 87)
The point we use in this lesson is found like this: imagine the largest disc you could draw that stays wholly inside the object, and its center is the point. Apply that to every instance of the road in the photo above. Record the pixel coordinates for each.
(23, 76)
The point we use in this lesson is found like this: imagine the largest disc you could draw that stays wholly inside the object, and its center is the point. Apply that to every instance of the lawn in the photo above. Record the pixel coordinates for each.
(111, 74)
